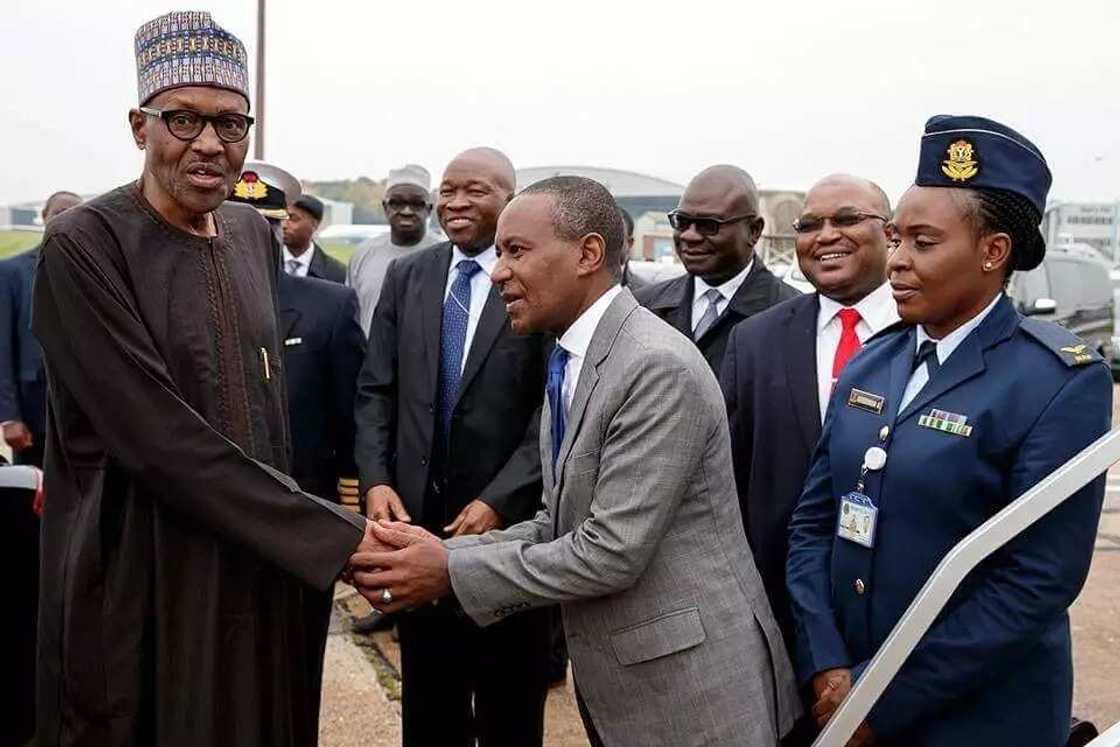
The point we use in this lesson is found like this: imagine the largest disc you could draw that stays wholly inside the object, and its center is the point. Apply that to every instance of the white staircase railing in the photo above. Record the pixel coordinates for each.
(969, 552)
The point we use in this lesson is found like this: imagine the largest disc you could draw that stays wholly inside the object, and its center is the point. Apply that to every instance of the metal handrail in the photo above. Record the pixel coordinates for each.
(989, 537)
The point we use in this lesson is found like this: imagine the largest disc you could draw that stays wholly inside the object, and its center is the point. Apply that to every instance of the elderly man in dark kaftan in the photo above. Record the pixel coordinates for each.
(178, 560)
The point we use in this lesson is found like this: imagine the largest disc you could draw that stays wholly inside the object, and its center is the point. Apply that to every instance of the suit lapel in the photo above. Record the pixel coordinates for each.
(601, 343)
(288, 318)
(315, 266)
(432, 284)
(490, 325)
(680, 315)
(801, 366)
(967, 360)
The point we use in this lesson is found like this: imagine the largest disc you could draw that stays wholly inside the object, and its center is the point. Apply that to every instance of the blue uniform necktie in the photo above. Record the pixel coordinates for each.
(557, 364)
(456, 316)
(927, 354)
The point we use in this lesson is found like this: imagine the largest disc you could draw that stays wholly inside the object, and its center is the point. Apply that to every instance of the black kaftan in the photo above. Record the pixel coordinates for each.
(177, 560)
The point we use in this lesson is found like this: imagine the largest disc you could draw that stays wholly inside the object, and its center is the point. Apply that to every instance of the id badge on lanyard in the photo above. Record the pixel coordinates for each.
(858, 514)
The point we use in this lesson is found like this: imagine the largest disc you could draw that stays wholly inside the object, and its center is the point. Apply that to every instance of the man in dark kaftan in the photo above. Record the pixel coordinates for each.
(178, 560)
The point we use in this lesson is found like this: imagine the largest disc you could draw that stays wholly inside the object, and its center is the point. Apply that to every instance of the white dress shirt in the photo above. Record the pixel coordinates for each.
(303, 259)
(726, 291)
(480, 289)
(877, 311)
(577, 338)
(945, 347)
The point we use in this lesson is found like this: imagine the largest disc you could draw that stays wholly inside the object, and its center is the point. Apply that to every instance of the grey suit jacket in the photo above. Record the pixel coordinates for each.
(640, 540)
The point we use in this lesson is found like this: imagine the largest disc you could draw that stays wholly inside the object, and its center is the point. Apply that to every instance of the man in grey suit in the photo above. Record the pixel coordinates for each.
(640, 539)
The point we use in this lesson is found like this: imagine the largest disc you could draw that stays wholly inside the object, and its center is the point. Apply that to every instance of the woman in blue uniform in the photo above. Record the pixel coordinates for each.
(940, 422)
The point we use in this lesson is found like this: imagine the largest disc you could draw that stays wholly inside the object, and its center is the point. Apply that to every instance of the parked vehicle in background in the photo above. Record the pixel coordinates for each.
(1074, 289)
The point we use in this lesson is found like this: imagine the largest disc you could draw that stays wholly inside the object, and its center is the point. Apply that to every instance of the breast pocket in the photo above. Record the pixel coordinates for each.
(667, 634)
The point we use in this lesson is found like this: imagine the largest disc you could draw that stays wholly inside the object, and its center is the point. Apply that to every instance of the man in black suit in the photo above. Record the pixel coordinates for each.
(323, 352)
(23, 380)
(780, 365)
(302, 256)
(447, 414)
(715, 228)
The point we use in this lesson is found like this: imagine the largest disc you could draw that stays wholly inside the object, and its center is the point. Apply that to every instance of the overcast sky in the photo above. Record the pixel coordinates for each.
(789, 90)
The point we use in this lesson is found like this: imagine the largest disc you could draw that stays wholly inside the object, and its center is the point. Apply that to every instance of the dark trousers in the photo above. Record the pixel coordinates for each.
(19, 538)
(462, 682)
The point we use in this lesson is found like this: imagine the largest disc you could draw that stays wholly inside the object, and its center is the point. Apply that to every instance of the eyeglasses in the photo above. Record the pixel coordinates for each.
(704, 226)
(186, 125)
(396, 204)
(845, 219)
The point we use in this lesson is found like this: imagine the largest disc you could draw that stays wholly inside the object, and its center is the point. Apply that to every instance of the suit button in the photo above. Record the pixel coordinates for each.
(424, 461)
(860, 586)
(431, 408)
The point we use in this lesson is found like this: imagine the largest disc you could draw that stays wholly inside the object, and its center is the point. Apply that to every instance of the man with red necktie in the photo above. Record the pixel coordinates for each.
(781, 365)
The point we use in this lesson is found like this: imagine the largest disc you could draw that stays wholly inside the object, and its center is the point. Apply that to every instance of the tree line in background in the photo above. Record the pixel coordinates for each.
(364, 193)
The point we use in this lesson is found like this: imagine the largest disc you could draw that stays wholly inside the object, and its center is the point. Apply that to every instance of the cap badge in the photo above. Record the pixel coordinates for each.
(250, 187)
(961, 165)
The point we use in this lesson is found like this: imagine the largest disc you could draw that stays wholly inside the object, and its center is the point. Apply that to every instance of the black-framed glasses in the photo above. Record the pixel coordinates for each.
(186, 125)
(396, 204)
(704, 226)
(842, 219)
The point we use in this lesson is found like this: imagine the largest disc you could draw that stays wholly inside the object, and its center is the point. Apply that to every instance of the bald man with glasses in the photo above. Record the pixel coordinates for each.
(715, 229)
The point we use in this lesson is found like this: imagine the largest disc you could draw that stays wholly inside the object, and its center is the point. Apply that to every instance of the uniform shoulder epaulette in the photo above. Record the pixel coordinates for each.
(1071, 349)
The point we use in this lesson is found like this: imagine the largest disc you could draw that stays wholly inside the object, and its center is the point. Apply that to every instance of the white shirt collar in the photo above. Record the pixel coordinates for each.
(577, 337)
(728, 289)
(877, 309)
(303, 259)
(486, 259)
(947, 344)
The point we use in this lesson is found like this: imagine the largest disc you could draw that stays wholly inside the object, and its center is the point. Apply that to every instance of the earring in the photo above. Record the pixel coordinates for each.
(987, 265)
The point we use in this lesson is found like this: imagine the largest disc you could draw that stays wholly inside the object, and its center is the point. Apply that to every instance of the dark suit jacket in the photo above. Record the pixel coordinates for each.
(769, 381)
(492, 451)
(672, 301)
(23, 381)
(325, 267)
(323, 352)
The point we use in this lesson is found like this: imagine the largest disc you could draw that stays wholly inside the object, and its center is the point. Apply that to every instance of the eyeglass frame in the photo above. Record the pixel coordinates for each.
(207, 119)
(692, 221)
(860, 214)
(387, 205)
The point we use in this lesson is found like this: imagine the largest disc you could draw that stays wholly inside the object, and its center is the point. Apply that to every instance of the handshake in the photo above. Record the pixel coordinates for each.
(398, 566)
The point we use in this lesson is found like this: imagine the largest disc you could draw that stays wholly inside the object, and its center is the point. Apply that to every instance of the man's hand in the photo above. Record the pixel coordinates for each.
(475, 518)
(369, 544)
(413, 575)
(831, 687)
(17, 436)
(383, 504)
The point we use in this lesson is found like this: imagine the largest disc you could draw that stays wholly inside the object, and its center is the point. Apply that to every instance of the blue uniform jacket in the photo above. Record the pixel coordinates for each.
(995, 668)
(23, 381)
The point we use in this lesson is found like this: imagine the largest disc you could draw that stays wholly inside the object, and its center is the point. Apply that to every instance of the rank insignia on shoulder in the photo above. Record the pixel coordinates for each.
(946, 422)
(866, 401)
(1080, 354)
(1068, 347)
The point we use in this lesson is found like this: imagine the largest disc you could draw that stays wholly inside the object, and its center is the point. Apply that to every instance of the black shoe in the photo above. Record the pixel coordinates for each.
(372, 623)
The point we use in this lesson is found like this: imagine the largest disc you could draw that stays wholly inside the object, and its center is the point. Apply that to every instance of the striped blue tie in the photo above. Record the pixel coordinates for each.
(456, 316)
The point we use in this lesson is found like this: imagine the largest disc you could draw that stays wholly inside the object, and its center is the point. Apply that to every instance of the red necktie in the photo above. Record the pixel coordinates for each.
(849, 342)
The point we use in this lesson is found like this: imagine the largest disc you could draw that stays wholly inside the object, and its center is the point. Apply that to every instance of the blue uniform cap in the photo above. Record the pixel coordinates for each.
(977, 153)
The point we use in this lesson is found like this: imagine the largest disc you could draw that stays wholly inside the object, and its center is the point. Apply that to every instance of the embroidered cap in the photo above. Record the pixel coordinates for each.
(186, 48)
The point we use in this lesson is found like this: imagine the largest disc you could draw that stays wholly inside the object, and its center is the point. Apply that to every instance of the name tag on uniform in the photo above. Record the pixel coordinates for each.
(293, 341)
(866, 401)
(857, 519)
(946, 422)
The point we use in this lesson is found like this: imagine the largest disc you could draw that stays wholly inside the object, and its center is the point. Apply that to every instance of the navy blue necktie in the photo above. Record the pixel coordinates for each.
(927, 354)
(557, 363)
(456, 316)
